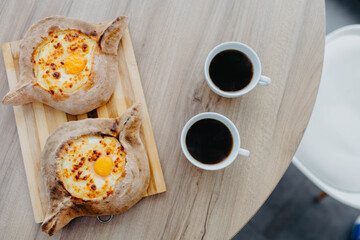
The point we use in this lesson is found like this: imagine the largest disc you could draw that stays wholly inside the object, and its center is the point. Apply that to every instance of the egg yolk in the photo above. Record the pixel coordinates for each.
(103, 166)
(75, 63)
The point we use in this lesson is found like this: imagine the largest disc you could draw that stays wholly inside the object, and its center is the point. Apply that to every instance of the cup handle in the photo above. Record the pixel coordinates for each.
(264, 81)
(244, 152)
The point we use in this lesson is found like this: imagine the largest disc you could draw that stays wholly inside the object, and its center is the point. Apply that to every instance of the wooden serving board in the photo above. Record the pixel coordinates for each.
(36, 121)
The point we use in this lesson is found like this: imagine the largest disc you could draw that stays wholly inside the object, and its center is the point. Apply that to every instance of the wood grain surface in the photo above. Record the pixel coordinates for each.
(171, 40)
(36, 121)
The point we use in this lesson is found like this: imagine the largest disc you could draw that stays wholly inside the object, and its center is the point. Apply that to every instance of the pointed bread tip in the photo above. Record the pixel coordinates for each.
(129, 119)
(135, 110)
(109, 40)
(18, 96)
(137, 107)
(56, 220)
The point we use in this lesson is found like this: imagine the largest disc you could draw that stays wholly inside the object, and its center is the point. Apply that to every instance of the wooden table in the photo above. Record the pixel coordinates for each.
(171, 40)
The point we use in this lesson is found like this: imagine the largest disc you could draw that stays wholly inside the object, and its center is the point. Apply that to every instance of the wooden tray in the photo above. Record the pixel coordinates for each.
(35, 121)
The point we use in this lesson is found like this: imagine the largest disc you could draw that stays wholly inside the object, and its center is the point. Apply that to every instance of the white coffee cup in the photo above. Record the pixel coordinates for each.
(250, 53)
(235, 151)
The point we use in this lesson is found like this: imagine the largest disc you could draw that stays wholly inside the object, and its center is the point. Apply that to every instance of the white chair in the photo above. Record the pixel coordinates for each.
(329, 153)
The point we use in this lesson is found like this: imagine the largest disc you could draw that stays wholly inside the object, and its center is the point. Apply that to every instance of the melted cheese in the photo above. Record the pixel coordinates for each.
(82, 160)
(63, 62)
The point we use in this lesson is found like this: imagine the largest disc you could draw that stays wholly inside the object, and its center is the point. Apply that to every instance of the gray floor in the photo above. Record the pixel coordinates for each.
(291, 212)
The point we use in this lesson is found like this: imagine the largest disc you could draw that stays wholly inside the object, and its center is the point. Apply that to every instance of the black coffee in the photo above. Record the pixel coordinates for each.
(231, 70)
(209, 141)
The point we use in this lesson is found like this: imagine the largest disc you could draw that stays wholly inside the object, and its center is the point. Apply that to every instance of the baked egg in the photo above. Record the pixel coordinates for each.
(63, 61)
(90, 166)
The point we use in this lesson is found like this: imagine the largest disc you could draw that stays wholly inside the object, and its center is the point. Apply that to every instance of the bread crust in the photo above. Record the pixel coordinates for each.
(129, 190)
(100, 86)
